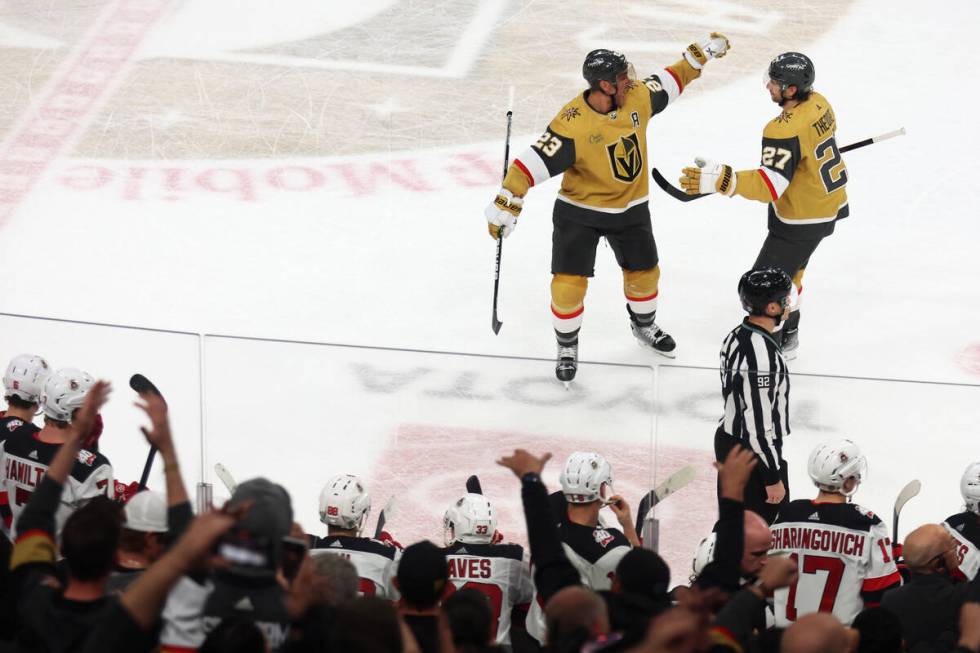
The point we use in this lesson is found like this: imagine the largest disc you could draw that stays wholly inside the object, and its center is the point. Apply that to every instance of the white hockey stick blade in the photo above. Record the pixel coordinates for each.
(908, 492)
(679, 479)
(225, 477)
(391, 508)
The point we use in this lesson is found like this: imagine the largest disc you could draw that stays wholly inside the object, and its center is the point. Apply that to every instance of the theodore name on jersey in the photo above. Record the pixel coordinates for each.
(802, 174)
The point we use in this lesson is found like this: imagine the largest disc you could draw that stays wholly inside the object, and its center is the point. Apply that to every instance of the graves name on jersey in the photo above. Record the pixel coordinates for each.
(498, 571)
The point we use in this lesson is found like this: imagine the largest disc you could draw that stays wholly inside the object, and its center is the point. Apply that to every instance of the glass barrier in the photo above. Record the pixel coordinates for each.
(905, 429)
(416, 424)
(169, 359)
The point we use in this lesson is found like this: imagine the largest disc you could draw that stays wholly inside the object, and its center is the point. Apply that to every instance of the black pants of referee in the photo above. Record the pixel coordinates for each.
(755, 488)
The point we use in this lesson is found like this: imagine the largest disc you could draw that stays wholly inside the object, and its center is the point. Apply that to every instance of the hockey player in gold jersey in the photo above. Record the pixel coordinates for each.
(598, 140)
(802, 177)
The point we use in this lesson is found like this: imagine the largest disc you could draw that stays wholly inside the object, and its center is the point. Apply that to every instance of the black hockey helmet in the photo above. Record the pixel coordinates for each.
(758, 288)
(793, 69)
(603, 65)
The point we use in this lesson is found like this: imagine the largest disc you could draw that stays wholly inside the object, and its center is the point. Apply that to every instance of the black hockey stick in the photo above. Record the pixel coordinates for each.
(908, 492)
(495, 322)
(386, 513)
(473, 485)
(679, 194)
(141, 385)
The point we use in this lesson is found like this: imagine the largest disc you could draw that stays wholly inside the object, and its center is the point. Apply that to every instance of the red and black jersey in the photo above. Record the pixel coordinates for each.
(24, 459)
(374, 560)
(965, 528)
(844, 557)
(497, 570)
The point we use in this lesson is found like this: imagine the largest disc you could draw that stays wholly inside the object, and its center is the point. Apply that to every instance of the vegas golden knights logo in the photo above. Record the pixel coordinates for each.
(625, 158)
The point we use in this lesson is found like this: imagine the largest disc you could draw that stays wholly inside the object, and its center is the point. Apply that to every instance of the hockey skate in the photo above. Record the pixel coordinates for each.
(566, 363)
(791, 342)
(655, 338)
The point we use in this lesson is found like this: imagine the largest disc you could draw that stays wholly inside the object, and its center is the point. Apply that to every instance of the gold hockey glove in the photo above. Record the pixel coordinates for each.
(709, 177)
(502, 213)
(712, 46)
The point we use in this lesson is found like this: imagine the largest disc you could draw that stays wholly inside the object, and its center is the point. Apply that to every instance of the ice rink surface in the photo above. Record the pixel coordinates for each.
(254, 172)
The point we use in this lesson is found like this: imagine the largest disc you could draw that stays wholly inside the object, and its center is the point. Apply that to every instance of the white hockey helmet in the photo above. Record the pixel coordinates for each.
(64, 392)
(586, 477)
(832, 463)
(471, 520)
(970, 487)
(704, 555)
(25, 377)
(344, 502)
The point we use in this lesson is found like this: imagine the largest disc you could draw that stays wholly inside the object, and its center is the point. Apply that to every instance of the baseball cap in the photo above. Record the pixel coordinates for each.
(422, 574)
(146, 512)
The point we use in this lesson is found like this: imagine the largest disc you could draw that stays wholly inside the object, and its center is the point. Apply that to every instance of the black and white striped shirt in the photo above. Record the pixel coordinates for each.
(755, 387)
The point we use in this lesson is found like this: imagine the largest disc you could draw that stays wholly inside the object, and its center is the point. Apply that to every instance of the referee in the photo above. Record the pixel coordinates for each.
(755, 387)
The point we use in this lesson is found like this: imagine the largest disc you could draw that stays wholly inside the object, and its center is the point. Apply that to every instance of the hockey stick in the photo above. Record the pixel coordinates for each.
(473, 485)
(679, 194)
(386, 513)
(142, 385)
(495, 322)
(676, 481)
(908, 492)
(225, 477)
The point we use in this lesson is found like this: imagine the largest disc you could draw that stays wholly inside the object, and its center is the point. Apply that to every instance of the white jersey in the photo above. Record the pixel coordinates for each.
(497, 570)
(965, 529)
(24, 460)
(844, 557)
(595, 553)
(375, 561)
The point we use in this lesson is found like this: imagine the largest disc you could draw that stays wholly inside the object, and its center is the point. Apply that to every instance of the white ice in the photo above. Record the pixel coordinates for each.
(387, 248)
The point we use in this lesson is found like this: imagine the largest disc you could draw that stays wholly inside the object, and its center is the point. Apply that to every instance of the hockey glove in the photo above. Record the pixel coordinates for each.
(502, 214)
(712, 46)
(709, 177)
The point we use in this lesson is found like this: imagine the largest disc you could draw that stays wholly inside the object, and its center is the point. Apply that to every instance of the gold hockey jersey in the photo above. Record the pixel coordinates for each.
(603, 156)
(802, 174)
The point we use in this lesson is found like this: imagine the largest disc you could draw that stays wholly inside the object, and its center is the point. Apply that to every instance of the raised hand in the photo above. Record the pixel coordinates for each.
(522, 462)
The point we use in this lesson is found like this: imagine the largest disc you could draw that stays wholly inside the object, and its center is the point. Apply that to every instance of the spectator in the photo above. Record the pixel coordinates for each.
(340, 576)
(248, 588)
(423, 575)
(89, 541)
(928, 606)
(235, 636)
(574, 616)
(368, 625)
(819, 632)
(143, 538)
(470, 620)
(880, 631)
